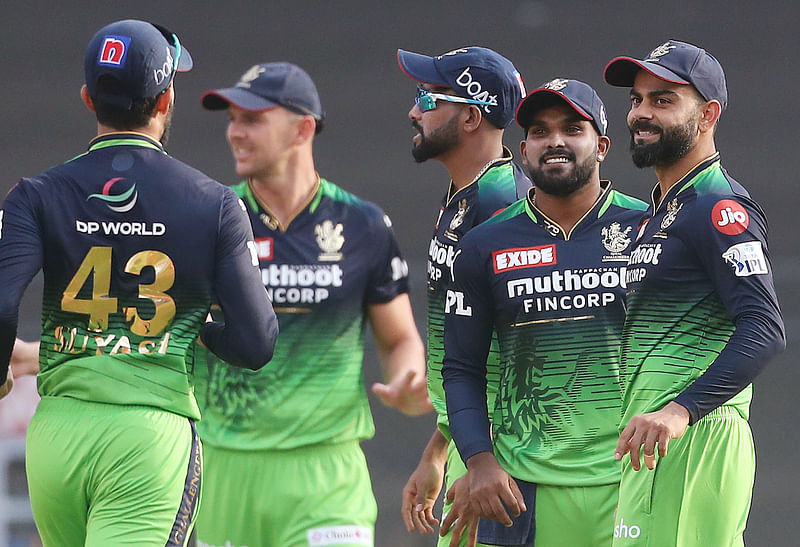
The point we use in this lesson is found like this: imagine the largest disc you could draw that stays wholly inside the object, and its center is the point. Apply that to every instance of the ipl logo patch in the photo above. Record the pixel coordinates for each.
(120, 202)
(114, 51)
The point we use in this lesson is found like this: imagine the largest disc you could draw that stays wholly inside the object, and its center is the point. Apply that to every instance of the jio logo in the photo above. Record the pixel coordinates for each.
(730, 217)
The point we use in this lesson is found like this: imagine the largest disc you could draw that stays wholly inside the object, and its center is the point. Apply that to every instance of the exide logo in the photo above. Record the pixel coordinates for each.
(113, 51)
(525, 257)
(730, 217)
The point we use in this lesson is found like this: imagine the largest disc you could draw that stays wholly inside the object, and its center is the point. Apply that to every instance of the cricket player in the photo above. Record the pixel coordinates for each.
(465, 100)
(113, 457)
(283, 455)
(548, 275)
(703, 319)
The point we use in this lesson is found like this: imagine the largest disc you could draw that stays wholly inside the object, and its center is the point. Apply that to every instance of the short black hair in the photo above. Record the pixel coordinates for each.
(138, 115)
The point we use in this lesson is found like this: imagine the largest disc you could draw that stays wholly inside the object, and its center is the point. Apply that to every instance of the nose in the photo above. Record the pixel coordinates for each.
(234, 130)
(556, 140)
(414, 113)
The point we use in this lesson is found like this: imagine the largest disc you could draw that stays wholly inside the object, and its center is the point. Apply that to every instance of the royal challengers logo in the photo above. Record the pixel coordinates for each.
(118, 196)
(330, 241)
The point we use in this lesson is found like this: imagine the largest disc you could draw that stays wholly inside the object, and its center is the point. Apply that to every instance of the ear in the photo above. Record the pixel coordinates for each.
(86, 98)
(473, 118)
(306, 129)
(522, 146)
(603, 146)
(165, 100)
(709, 114)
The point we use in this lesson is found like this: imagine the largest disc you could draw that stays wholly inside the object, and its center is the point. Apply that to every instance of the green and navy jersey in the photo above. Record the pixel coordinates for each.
(703, 318)
(499, 184)
(322, 271)
(556, 301)
(133, 245)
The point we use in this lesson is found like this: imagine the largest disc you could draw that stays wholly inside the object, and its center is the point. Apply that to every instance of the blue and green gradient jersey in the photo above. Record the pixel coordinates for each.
(556, 301)
(703, 318)
(498, 185)
(133, 245)
(322, 271)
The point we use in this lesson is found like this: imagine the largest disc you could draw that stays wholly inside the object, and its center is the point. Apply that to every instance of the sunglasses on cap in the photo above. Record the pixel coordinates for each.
(173, 39)
(426, 100)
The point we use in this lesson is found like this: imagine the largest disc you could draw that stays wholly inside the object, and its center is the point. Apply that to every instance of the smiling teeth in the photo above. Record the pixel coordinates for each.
(556, 160)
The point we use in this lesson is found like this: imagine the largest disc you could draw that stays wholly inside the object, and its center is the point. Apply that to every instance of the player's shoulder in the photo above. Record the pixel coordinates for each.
(348, 203)
(494, 227)
(624, 201)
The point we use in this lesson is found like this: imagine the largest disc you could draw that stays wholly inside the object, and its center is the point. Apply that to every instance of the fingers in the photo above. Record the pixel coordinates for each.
(450, 518)
(622, 444)
(649, 450)
(407, 506)
(515, 491)
(423, 520)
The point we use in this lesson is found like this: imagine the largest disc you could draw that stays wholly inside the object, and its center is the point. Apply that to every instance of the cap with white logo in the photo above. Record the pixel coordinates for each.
(138, 58)
(676, 62)
(578, 95)
(473, 73)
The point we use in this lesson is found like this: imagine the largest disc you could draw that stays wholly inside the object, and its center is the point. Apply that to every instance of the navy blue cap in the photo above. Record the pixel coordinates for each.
(676, 62)
(473, 73)
(142, 57)
(580, 96)
(266, 86)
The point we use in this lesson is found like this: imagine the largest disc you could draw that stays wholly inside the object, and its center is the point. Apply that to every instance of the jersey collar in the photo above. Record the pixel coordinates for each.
(683, 183)
(552, 227)
(268, 217)
(502, 160)
(124, 138)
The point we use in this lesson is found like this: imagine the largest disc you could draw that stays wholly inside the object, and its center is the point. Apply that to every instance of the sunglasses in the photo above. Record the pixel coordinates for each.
(426, 100)
(171, 37)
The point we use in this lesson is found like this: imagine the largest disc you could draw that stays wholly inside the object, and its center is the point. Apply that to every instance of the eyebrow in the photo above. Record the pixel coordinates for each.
(655, 93)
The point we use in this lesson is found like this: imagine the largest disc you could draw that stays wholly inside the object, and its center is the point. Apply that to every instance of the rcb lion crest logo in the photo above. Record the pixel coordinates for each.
(252, 73)
(458, 220)
(672, 211)
(615, 240)
(330, 241)
(659, 52)
(556, 85)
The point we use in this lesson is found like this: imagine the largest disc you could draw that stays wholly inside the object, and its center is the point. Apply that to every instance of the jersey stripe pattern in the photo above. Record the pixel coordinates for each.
(335, 258)
(499, 185)
(556, 302)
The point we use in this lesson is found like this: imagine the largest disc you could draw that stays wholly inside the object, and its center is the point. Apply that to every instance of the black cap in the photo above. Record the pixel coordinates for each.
(676, 62)
(142, 57)
(580, 96)
(266, 86)
(473, 73)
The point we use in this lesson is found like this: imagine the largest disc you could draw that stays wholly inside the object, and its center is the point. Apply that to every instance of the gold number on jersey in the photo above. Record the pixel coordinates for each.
(164, 304)
(97, 263)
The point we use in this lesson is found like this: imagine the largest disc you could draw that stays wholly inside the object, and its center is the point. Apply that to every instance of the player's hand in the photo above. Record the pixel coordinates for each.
(461, 516)
(25, 358)
(7, 384)
(646, 431)
(492, 490)
(407, 393)
(419, 495)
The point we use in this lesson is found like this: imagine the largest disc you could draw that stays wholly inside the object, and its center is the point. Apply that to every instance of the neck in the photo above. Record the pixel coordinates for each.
(286, 188)
(669, 175)
(151, 130)
(464, 162)
(566, 211)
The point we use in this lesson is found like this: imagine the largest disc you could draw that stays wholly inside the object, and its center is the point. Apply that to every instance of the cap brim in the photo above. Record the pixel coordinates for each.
(220, 99)
(621, 72)
(532, 102)
(420, 67)
(185, 62)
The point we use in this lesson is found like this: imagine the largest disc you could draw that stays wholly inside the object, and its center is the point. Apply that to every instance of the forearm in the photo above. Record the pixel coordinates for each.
(436, 449)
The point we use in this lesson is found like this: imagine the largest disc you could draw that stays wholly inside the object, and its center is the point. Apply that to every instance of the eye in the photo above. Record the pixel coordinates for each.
(661, 101)
(536, 131)
(573, 129)
(636, 101)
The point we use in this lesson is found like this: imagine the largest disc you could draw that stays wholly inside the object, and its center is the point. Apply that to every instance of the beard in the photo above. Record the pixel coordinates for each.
(675, 142)
(568, 181)
(167, 125)
(440, 140)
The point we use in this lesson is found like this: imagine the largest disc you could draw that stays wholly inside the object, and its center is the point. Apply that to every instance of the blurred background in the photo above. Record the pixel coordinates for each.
(349, 47)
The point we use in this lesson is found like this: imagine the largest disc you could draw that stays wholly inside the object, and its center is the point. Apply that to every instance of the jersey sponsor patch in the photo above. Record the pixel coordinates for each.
(339, 535)
(265, 247)
(730, 217)
(114, 51)
(746, 258)
(523, 257)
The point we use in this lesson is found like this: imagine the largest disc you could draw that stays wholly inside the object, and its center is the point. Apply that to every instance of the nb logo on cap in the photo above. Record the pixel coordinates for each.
(660, 51)
(453, 52)
(113, 51)
(556, 85)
